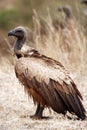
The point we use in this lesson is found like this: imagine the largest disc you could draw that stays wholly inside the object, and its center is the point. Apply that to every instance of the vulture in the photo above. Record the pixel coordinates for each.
(84, 2)
(67, 17)
(45, 80)
(67, 11)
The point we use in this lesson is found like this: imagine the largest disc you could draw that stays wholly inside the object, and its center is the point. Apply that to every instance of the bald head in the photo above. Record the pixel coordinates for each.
(18, 32)
(67, 10)
(21, 34)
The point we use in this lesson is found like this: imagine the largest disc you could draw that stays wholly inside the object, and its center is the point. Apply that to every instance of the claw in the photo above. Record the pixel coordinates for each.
(38, 117)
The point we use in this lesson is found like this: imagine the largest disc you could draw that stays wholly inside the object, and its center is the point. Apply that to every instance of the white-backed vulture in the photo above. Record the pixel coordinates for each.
(45, 80)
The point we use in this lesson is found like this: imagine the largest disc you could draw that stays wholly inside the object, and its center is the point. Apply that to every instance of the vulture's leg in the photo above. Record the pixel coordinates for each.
(38, 113)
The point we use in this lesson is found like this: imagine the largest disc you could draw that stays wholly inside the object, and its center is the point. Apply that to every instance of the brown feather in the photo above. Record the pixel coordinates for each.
(49, 83)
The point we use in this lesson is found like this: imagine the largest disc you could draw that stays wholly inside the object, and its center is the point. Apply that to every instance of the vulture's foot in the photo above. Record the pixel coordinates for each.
(35, 117)
(38, 113)
(74, 118)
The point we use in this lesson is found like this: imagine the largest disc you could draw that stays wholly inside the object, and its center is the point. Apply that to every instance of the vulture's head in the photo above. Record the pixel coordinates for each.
(84, 2)
(66, 9)
(21, 34)
(18, 32)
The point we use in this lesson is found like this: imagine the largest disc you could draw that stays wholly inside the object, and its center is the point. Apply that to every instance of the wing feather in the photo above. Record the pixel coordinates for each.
(50, 82)
(38, 88)
(69, 97)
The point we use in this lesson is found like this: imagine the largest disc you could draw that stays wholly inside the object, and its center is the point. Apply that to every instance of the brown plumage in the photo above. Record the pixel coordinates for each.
(45, 80)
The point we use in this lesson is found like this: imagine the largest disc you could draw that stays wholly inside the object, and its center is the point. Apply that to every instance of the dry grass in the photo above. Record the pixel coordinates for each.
(67, 45)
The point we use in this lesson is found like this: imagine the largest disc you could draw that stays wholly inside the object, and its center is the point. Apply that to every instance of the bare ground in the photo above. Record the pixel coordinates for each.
(16, 107)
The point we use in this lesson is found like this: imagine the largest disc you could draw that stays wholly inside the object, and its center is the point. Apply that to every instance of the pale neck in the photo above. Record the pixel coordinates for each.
(17, 47)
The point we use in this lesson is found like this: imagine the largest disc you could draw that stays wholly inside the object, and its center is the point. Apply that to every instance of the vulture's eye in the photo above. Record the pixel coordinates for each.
(19, 31)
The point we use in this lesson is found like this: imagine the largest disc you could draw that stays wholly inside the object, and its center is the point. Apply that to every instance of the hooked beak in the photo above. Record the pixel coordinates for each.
(11, 33)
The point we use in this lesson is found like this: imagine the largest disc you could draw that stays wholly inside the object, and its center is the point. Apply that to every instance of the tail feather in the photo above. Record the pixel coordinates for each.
(71, 101)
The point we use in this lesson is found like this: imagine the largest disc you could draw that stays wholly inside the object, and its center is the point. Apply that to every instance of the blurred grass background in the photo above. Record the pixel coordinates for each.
(13, 13)
(69, 47)
(53, 35)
